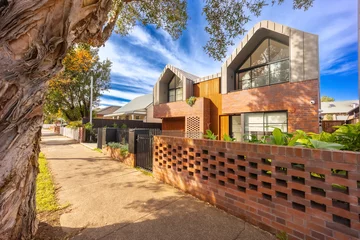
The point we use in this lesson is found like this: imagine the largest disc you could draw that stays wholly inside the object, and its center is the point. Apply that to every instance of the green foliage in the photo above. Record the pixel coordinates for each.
(124, 126)
(327, 99)
(124, 149)
(226, 19)
(191, 101)
(98, 150)
(69, 91)
(325, 145)
(324, 136)
(299, 138)
(115, 125)
(254, 139)
(227, 138)
(169, 15)
(45, 188)
(328, 117)
(74, 124)
(210, 135)
(349, 136)
(282, 236)
(147, 173)
(88, 126)
(114, 145)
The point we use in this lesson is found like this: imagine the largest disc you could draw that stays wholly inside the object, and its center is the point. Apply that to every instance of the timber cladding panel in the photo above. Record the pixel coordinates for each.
(308, 193)
(291, 97)
(174, 123)
(211, 89)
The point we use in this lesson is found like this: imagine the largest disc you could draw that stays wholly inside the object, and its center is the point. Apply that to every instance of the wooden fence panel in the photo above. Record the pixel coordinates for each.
(327, 126)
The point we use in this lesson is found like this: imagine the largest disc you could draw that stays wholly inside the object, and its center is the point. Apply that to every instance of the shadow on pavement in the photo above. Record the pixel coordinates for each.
(169, 218)
(48, 133)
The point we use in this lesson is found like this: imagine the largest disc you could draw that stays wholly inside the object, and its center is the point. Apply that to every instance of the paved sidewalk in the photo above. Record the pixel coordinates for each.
(112, 201)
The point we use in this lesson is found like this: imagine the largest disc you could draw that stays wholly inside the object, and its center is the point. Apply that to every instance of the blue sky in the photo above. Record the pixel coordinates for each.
(139, 58)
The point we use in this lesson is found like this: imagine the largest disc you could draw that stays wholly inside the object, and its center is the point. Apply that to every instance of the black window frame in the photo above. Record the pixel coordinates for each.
(176, 88)
(231, 124)
(238, 82)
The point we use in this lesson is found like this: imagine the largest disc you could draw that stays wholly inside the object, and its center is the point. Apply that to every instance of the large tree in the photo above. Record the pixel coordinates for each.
(69, 90)
(34, 38)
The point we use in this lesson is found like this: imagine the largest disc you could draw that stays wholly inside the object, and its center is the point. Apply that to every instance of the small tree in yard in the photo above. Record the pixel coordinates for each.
(34, 38)
(69, 91)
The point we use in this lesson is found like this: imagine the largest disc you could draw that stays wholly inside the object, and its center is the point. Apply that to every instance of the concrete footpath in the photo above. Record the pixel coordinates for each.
(112, 201)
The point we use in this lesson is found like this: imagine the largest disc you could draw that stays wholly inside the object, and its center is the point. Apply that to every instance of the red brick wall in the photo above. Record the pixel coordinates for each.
(115, 154)
(293, 97)
(179, 109)
(200, 109)
(235, 177)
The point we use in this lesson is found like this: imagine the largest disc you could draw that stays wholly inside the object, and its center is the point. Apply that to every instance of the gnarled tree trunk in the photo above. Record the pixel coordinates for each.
(34, 37)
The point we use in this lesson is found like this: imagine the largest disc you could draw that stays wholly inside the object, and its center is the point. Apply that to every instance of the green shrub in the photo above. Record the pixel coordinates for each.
(210, 135)
(191, 101)
(227, 138)
(114, 145)
(299, 138)
(349, 136)
(115, 125)
(124, 149)
(123, 126)
(88, 126)
(74, 124)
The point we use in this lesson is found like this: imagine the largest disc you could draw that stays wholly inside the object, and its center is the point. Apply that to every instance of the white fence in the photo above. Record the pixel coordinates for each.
(47, 126)
(72, 133)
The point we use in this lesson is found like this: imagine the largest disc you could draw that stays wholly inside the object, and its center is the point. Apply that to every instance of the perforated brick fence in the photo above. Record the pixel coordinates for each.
(308, 193)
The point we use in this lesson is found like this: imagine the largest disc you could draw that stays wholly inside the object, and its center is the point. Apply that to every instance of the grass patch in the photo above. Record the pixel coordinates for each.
(98, 150)
(147, 173)
(45, 189)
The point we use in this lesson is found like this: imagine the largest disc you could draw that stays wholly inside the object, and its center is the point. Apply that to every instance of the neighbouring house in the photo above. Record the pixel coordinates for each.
(270, 80)
(140, 108)
(354, 115)
(338, 110)
(100, 113)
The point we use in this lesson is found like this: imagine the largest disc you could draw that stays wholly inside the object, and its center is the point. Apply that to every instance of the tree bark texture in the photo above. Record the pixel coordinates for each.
(34, 37)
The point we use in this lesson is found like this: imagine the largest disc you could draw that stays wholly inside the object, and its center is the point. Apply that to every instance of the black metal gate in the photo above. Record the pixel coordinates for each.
(144, 145)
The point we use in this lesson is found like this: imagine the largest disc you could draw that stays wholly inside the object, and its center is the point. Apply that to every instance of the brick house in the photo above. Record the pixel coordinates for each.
(270, 80)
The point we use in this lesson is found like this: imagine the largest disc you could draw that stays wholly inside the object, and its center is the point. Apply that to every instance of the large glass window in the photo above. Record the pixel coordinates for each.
(268, 64)
(175, 89)
(263, 123)
(236, 127)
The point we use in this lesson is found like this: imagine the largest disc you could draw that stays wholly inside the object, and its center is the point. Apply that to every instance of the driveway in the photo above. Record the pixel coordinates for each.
(109, 200)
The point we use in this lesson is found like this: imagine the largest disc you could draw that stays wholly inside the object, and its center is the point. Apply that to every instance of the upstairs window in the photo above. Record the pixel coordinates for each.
(268, 64)
(175, 89)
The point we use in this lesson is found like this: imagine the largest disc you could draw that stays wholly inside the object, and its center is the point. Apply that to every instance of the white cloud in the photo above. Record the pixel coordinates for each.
(347, 67)
(121, 94)
(128, 64)
(109, 102)
(139, 35)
